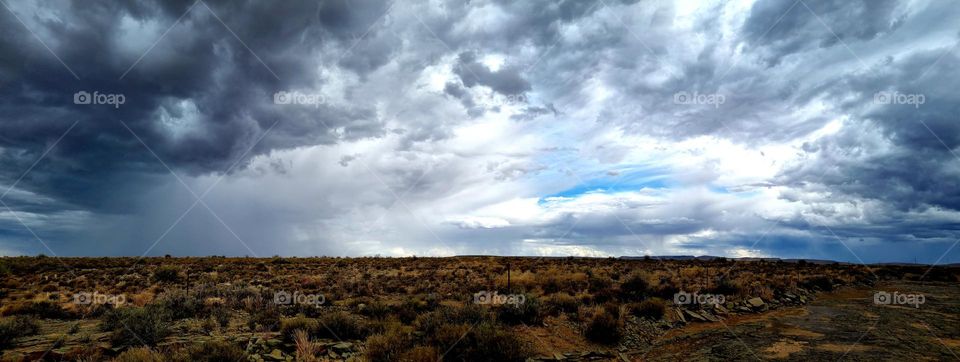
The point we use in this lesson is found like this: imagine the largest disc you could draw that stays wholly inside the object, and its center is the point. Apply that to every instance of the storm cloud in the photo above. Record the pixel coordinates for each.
(818, 129)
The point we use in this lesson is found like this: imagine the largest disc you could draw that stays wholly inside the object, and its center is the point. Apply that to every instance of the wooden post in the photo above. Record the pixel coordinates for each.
(508, 277)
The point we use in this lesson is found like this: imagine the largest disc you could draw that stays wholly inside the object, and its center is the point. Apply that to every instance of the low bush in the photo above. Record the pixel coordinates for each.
(40, 309)
(289, 326)
(652, 308)
(16, 327)
(488, 341)
(136, 326)
(387, 346)
(527, 312)
(603, 328)
(635, 286)
(166, 273)
(139, 354)
(557, 303)
(212, 351)
(342, 325)
(421, 354)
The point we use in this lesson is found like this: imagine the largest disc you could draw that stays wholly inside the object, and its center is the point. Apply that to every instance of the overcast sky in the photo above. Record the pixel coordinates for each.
(785, 128)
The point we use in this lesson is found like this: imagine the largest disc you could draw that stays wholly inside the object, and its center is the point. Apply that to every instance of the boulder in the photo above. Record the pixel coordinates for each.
(755, 302)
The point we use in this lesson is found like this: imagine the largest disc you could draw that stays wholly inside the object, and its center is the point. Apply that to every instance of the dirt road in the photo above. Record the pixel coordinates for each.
(844, 325)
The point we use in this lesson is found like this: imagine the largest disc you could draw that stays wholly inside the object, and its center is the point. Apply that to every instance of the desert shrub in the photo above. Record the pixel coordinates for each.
(181, 304)
(267, 319)
(342, 325)
(221, 315)
(410, 308)
(635, 286)
(468, 314)
(387, 346)
(596, 284)
(375, 309)
(818, 282)
(421, 354)
(557, 303)
(527, 312)
(39, 309)
(16, 327)
(136, 326)
(139, 354)
(725, 286)
(603, 328)
(652, 308)
(488, 341)
(289, 326)
(166, 273)
(212, 351)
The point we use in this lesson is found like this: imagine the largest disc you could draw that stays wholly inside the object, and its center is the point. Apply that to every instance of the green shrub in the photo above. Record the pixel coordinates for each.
(136, 326)
(488, 341)
(603, 328)
(288, 326)
(167, 273)
(527, 312)
(652, 308)
(16, 327)
(342, 325)
(267, 319)
(469, 314)
(375, 309)
(181, 304)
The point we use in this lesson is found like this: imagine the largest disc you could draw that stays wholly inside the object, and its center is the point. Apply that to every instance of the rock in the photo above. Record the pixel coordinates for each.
(696, 316)
(709, 317)
(343, 346)
(720, 309)
(276, 355)
(755, 302)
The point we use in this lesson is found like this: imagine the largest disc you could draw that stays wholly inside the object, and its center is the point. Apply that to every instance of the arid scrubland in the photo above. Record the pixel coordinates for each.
(387, 309)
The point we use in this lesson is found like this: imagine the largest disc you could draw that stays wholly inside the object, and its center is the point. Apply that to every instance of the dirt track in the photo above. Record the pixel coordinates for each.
(844, 325)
